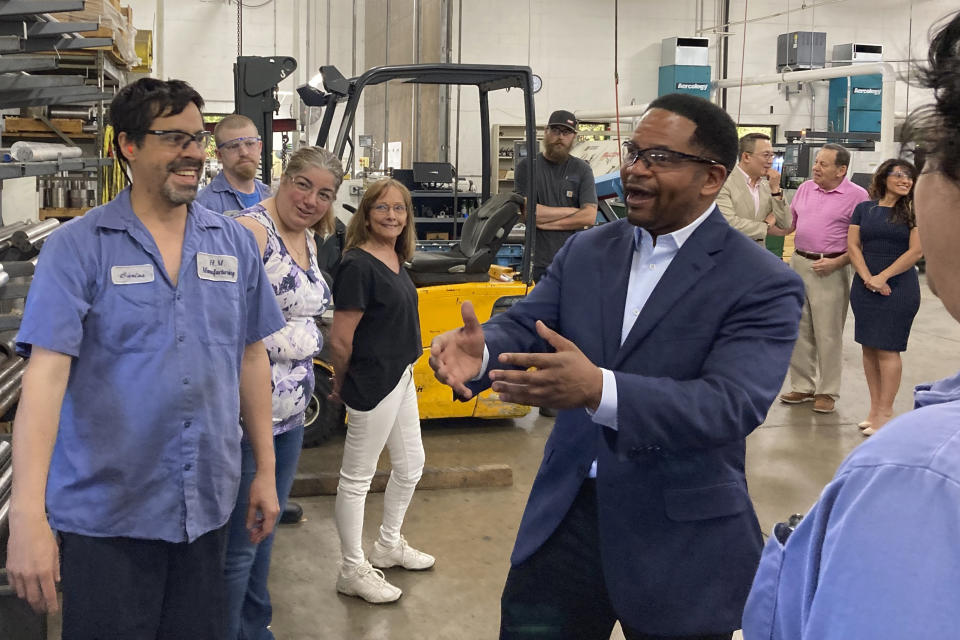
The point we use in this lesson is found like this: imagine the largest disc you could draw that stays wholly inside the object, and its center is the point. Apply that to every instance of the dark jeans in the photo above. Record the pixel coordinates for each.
(559, 592)
(248, 565)
(131, 589)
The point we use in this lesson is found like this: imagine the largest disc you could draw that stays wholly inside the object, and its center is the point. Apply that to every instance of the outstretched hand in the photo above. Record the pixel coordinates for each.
(565, 379)
(457, 355)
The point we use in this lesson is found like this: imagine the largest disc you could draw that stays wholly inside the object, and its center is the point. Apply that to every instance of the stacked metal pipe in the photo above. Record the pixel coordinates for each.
(11, 371)
(25, 237)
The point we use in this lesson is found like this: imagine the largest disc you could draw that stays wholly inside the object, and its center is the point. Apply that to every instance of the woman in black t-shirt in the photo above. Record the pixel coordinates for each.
(375, 340)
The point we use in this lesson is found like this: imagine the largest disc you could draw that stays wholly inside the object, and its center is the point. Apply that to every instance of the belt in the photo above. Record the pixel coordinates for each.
(816, 256)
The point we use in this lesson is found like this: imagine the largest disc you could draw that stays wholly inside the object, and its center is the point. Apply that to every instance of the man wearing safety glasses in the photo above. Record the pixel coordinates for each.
(143, 328)
(238, 150)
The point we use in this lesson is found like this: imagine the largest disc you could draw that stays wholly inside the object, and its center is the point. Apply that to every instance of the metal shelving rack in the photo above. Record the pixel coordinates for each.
(30, 78)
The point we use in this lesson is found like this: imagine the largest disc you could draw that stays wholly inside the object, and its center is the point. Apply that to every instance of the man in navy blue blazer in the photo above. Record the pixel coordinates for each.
(664, 338)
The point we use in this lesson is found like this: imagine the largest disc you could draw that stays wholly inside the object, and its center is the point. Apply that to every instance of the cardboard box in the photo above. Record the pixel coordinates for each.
(438, 235)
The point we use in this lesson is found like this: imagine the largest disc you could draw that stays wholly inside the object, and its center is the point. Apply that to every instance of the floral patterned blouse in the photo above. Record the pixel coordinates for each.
(302, 295)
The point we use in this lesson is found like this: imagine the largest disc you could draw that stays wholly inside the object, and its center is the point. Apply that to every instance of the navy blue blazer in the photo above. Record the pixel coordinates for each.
(680, 541)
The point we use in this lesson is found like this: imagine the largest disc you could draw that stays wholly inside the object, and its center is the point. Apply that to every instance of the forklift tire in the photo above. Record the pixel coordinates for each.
(323, 417)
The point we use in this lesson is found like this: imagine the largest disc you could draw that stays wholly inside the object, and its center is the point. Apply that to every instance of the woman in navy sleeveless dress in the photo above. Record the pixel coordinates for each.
(884, 248)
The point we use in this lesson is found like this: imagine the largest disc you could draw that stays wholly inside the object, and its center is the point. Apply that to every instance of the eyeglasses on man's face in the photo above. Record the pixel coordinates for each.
(177, 139)
(658, 158)
(560, 131)
(385, 208)
(251, 143)
(766, 155)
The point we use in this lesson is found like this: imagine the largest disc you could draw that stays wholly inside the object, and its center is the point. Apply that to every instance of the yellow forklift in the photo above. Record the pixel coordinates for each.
(467, 270)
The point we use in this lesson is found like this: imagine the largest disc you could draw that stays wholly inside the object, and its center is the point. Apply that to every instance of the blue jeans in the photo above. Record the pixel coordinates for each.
(247, 566)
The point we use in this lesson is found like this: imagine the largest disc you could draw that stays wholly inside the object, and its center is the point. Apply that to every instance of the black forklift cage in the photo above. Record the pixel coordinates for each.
(486, 78)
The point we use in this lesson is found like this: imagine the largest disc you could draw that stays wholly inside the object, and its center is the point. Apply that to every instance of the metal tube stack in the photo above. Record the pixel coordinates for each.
(26, 238)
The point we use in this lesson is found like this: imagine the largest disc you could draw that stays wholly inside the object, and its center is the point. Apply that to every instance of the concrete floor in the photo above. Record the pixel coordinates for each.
(471, 532)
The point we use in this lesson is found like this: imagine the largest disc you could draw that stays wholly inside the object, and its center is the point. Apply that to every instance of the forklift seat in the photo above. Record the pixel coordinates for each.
(482, 235)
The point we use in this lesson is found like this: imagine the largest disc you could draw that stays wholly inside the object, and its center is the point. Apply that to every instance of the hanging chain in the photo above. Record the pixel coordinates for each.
(239, 28)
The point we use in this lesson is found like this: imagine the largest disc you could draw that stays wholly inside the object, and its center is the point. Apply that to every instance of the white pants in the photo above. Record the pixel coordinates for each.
(395, 422)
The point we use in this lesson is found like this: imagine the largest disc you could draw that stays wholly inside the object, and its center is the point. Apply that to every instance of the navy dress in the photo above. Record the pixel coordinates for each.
(883, 322)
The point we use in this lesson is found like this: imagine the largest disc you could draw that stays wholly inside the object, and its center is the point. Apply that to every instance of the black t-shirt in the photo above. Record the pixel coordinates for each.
(387, 338)
(329, 249)
(568, 184)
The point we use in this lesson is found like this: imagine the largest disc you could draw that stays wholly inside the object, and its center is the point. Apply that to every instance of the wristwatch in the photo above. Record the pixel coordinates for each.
(778, 193)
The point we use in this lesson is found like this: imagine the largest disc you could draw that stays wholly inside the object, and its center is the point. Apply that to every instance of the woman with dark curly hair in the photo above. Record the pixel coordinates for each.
(884, 246)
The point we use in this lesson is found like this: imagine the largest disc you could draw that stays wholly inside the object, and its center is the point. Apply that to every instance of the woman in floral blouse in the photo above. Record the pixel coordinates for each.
(284, 227)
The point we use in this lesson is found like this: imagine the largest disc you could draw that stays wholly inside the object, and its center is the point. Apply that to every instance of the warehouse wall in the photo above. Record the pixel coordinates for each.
(901, 27)
(570, 44)
(196, 41)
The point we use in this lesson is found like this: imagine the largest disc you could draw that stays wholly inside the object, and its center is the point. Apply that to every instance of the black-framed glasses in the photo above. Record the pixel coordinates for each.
(560, 131)
(175, 138)
(658, 157)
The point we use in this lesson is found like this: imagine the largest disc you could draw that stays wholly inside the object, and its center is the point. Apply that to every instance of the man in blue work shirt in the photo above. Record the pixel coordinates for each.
(238, 150)
(143, 326)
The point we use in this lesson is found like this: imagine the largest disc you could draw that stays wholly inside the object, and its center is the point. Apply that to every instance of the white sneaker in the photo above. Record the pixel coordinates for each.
(402, 554)
(367, 583)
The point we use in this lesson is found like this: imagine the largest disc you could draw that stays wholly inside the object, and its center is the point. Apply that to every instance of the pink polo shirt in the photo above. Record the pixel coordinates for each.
(822, 218)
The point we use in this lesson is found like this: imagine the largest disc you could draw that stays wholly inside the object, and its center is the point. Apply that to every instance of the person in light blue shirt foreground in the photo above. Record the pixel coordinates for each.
(877, 557)
(238, 149)
(144, 326)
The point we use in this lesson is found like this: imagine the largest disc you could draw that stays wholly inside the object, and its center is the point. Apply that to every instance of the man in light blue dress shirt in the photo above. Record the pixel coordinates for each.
(143, 326)
(664, 339)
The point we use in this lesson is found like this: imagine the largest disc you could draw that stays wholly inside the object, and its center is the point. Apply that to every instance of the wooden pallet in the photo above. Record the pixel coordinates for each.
(16, 126)
(63, 213)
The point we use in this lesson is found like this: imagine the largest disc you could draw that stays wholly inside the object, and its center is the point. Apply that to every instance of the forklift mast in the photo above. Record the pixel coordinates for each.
(338, 89)
(255, 81)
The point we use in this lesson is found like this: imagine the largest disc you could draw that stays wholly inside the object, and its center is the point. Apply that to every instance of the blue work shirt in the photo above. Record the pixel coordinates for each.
(877, 556)
(148, 444)
(220, 196)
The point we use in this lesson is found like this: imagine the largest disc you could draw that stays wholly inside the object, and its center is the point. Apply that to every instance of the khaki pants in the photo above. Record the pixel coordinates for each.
(820, 341)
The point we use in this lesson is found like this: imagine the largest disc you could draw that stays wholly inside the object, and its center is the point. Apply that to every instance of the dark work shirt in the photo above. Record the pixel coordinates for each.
(387, 338)
(568, 184)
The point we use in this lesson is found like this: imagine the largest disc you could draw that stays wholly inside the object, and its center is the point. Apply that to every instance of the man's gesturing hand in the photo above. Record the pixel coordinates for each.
(456, 356)
(565, 379)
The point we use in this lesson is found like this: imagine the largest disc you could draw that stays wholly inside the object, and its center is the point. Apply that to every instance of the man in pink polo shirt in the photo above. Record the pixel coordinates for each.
(821, 212)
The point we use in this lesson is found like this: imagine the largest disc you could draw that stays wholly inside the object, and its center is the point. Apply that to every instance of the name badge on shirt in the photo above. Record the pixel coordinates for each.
(569, 193)
(132, 274)
(218, 268)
